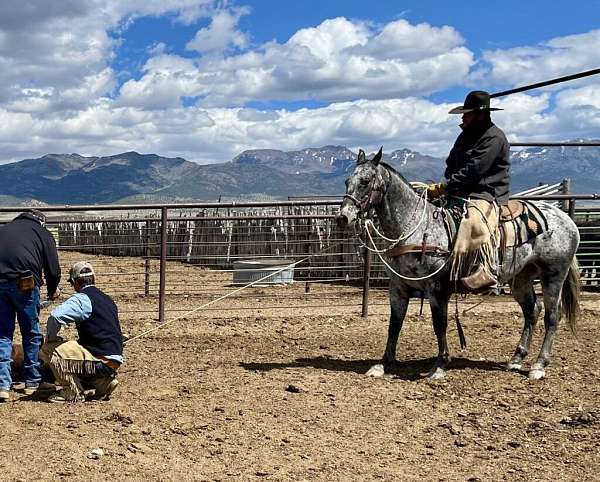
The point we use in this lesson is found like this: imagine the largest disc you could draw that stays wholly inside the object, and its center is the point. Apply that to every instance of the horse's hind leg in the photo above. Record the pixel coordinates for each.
(523, 292)
(398, 304)
(552, 287)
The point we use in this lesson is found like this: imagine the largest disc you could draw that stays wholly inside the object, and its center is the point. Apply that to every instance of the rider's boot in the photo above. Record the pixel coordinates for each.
(481, 281)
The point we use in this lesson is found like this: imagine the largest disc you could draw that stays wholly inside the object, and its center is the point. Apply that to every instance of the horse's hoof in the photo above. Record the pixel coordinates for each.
(437, 373)
(537, 373)
(514, 366)
(376, 371)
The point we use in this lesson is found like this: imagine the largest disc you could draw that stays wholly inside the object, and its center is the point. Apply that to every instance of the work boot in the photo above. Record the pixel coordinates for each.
(30, 389)
(104, 388)
(65, 396)
(4, 396)
(480, 281)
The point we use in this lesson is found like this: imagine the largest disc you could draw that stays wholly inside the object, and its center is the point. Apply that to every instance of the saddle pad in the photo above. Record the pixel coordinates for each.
(523, 228)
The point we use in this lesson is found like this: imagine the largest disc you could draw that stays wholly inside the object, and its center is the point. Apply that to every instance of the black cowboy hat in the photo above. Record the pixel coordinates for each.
(476, 100)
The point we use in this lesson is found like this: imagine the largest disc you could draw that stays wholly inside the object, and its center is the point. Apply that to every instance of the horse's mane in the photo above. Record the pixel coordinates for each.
(394, 171)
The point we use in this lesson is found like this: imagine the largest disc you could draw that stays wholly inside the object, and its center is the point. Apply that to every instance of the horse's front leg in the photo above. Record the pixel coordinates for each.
(439, 314)
(399, 304)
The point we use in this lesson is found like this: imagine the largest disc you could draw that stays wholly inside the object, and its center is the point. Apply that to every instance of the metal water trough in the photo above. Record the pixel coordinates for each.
(247, 271)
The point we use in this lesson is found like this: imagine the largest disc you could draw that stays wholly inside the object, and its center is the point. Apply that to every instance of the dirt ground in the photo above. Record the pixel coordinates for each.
(280, 394)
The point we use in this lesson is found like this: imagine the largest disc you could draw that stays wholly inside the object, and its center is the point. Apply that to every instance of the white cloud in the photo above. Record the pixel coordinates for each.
(58, 90)
(218, 134)
(529, 64)
(56, 56)
(337, 60)
(222, 34)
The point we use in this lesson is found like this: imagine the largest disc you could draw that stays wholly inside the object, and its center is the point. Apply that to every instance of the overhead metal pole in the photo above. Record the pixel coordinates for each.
(555, 144)
(546, 83)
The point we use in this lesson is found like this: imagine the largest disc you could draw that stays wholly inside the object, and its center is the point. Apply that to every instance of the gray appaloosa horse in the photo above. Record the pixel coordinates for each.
(404, 214)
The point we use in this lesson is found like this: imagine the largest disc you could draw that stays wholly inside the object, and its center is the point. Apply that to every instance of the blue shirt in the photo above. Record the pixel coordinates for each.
(77, 308)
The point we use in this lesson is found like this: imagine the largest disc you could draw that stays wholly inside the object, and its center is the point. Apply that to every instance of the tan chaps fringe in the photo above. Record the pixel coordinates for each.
(476, 242)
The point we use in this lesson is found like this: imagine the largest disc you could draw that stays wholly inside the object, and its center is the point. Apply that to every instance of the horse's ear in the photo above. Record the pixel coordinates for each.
(377, 157)
(362, 158)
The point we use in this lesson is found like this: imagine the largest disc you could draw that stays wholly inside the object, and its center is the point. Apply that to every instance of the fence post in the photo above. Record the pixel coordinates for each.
(163, 264)
(147, 259)
(566, 189)
(366, 278)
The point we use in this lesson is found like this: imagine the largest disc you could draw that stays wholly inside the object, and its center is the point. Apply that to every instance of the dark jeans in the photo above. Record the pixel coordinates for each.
(25, 307)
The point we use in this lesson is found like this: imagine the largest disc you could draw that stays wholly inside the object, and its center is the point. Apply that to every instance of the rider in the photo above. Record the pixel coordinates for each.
(477, 174)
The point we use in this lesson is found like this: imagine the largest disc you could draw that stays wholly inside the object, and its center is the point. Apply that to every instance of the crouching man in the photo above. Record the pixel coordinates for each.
(91, 361)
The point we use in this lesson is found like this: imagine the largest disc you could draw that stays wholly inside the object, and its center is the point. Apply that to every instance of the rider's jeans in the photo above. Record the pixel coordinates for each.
(25, 307)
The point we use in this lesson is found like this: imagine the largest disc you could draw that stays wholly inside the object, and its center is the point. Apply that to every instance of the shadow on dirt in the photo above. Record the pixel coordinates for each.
(405, 370)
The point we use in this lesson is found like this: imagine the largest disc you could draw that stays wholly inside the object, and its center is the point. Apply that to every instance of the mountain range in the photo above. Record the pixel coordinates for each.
(253, 174)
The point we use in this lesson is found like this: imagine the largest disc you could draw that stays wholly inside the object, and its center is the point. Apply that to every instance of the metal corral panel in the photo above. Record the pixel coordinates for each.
(54, 232)
(247, 271)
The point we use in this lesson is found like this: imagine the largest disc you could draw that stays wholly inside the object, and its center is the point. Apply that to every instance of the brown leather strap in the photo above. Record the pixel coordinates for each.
(112, 364)
(403, 249)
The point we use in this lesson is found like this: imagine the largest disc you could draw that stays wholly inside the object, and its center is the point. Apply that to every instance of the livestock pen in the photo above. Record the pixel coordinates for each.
(270, 385)
(171, 252)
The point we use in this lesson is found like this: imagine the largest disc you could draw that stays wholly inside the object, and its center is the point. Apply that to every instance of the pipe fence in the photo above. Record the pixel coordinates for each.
(171, 258)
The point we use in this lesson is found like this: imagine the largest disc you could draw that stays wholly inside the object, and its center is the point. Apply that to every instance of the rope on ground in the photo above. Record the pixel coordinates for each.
(227, 295)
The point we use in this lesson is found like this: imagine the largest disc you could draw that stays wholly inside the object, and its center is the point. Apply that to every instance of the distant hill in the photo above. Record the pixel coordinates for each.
(553, 164)
(253, 174)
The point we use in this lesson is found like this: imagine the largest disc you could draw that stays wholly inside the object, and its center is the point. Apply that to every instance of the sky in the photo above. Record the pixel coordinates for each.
(207, 79)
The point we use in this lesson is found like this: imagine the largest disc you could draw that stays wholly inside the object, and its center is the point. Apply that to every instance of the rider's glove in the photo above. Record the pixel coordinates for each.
(434, 191)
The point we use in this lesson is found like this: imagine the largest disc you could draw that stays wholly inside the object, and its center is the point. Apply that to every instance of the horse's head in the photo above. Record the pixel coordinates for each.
(364, 190)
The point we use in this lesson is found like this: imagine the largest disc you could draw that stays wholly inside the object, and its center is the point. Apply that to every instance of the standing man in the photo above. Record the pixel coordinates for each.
(98, 353)
(26, 250)
(478, 180)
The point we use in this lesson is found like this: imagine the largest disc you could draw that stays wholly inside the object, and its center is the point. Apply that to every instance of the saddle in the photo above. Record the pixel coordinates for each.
(511, 211)
(520, 221)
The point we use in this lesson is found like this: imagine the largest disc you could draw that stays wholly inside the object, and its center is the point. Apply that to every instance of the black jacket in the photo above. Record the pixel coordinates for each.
(479, 164)
(25, 245)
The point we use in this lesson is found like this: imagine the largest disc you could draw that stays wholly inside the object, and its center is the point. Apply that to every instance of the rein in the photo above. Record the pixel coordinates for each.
(367, 204)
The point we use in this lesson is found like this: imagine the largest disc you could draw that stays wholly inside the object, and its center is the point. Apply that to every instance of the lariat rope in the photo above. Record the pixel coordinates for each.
(407, 278)
(402, 237)
(227, 295)
(369, 225)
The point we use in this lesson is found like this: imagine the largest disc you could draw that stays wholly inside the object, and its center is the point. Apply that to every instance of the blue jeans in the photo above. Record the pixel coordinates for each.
(25, 306)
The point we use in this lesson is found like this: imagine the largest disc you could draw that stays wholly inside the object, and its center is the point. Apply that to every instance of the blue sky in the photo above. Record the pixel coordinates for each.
(206, 79)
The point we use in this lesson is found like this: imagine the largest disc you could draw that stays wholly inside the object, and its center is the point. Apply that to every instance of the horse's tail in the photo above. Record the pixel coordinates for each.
(570, 296)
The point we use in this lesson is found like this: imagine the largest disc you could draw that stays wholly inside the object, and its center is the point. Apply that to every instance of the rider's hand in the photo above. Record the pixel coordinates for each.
(434, 191)
(55, 295)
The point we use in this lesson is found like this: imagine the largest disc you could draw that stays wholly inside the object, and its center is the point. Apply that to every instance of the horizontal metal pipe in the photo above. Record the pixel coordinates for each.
(545, 83)
(555, 144)
(176, 219)
(560, 197)
(147, 207)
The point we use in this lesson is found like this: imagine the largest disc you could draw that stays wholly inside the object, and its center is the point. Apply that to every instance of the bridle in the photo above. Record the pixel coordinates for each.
(371, 199)
(366, 210)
